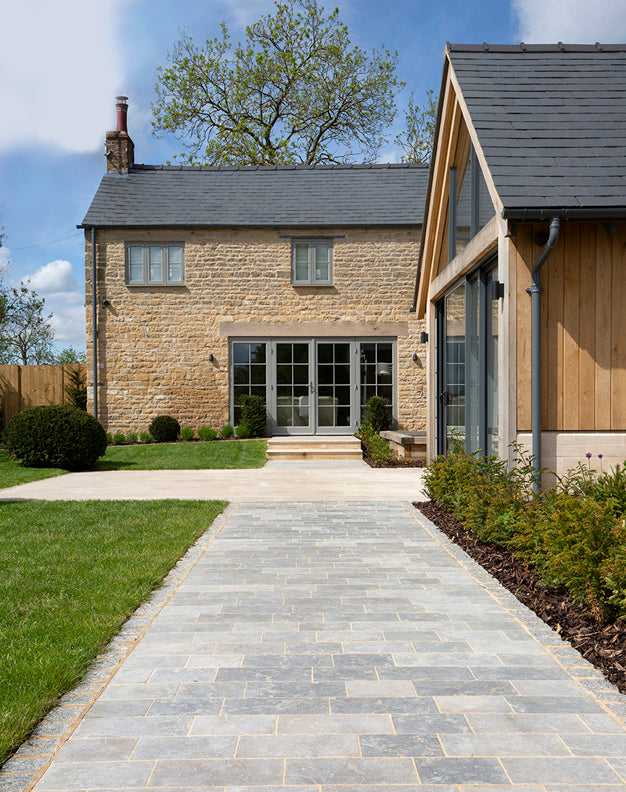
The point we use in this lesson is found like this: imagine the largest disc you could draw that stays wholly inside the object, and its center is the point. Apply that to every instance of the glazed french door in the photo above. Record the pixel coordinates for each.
(467, 363)
(290, 402)
(316, 387)
(312, 385)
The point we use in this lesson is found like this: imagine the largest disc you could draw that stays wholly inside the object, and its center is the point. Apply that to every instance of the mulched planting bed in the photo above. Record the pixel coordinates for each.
(602, 645)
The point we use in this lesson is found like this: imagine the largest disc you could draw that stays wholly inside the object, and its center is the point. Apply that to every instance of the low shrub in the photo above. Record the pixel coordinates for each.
(613, 573)
(253, 416)
(206, 433)
(187, 433)
(109, 438)
(376, 449)
(243, 432)
(55, 436)
(377, 414)
(609, 488)
(119, 438)
(164, 429)
(227, 431)
(574, 535)
(481, 492)
(145, 437)
(131, 438)
(567, 538)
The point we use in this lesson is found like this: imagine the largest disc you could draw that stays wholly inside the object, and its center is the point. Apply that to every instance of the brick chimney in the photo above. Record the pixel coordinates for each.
(120, 149)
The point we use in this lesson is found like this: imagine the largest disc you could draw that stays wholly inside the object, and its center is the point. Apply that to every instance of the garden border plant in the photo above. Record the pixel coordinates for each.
(574, 535)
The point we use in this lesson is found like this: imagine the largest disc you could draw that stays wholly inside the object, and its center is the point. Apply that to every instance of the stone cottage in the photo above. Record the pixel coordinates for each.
(295, 283)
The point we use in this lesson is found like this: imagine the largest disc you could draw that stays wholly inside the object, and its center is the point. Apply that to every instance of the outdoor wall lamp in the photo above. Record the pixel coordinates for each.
(106, 304)
(414, 356)
(211, 358)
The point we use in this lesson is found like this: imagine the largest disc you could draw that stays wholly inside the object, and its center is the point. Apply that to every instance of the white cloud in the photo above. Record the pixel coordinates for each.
(68, 322)
(570, 21)
(245, 12)
(64, 299)
(54, 278)
(57, 62)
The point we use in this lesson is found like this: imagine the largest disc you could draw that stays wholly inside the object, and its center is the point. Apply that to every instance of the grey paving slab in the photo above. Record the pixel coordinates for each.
(333, 647)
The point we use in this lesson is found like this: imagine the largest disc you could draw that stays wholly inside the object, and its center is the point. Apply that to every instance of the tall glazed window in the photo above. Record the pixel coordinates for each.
(249, 362)
(377, 373)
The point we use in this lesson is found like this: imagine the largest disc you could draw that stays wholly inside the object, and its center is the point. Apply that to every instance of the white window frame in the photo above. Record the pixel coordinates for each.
(313, 244)
(165, 280)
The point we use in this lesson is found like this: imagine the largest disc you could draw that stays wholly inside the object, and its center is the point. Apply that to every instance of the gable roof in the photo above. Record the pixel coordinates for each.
(551, 123)
(348, 195)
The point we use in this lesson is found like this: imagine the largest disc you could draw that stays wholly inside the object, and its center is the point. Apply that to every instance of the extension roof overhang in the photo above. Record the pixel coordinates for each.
(551, 123)
(304, 196)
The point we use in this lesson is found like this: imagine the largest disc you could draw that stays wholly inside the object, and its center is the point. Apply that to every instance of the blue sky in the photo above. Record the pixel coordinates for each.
(63, 63)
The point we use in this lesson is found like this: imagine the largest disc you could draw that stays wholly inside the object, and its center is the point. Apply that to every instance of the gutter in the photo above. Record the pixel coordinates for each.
(535, 293)
(94, 320)
(529, 215)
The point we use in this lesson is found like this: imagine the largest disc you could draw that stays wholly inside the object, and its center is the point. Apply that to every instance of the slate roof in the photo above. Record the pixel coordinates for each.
(551, 120)
(304, 196)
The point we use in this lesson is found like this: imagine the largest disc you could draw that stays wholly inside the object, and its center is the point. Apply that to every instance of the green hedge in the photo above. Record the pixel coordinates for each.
(574, 534)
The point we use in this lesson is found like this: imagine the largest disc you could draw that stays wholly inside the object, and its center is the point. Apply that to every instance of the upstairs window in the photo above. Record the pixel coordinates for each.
(470, 204)
(312, 262)
(150, 264)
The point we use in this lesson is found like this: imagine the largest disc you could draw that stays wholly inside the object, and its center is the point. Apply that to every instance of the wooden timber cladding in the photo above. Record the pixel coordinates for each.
(31, 386)
(583, 355)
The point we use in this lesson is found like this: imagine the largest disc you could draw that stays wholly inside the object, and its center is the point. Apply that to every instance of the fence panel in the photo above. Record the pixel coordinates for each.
(31, 386)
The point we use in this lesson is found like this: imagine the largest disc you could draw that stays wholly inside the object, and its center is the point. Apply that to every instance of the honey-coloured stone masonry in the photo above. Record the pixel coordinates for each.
(155, 342)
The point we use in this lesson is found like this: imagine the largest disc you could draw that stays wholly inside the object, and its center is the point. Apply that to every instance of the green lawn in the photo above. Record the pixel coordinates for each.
(72, 573)
(186, 456)
(157, 456)
(12, 473)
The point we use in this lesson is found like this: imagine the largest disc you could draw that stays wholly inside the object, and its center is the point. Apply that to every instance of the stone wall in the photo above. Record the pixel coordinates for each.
(154, 342)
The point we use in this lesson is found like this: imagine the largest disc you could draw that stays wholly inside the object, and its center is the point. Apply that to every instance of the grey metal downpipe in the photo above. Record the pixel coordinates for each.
(94, 321)
(535, 293)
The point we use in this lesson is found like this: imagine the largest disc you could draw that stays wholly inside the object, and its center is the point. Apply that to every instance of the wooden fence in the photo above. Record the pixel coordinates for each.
(30, 386)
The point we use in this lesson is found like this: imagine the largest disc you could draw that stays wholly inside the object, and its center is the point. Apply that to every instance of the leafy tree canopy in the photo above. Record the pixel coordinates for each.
(294, 91)
(416, 141)
(26, 334)
(69, 355)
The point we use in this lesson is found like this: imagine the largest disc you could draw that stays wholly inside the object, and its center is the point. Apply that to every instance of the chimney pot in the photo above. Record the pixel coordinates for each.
(120, 150)
(122, 112)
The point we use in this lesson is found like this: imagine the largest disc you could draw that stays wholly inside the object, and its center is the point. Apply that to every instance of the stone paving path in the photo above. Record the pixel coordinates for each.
(331, 647)
(276, 481)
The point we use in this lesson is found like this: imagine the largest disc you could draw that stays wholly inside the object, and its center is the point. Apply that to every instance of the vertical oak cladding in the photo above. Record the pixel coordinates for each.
(154, 342)
(583, 343)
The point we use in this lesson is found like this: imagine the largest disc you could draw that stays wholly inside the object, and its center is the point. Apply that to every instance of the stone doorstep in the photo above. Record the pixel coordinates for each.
(314, 447)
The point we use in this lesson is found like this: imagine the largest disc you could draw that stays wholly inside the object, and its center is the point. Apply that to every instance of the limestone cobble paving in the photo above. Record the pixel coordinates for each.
(332, 647)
